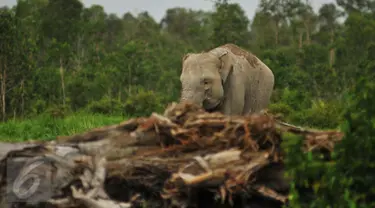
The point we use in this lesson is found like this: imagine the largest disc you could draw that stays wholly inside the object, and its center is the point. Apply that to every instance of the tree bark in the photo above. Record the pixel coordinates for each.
(300, 40)
(62, 80)
(308, 40)
(97, 52)
(22, 98)
(79, 52)
(277, 32)
(129, 81)
(3, 90)
(332, 50)
(119, 93)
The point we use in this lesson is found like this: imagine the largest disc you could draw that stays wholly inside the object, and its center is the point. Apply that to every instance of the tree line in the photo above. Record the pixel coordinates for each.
(78, 58)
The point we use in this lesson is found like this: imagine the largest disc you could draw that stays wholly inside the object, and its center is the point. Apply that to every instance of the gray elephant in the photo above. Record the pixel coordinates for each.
(227, 79)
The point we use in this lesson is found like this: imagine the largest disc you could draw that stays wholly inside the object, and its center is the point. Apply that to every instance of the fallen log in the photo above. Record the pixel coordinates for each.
(170, 160)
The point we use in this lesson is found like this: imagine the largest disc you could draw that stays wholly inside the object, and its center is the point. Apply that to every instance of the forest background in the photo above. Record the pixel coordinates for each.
(65, 68)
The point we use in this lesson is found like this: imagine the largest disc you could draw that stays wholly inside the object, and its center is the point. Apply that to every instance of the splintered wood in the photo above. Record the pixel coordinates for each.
(184, 158)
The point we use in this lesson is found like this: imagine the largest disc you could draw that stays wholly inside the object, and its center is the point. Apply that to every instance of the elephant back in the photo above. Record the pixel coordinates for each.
(238, 51)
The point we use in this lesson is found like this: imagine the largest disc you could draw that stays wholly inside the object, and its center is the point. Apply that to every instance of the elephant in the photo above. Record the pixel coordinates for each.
(226, 79)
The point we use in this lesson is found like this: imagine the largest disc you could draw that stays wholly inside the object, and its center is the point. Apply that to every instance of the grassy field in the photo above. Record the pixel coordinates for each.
(46, 128)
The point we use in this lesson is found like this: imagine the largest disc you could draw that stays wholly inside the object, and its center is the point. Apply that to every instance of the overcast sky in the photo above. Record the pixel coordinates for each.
(157, 8)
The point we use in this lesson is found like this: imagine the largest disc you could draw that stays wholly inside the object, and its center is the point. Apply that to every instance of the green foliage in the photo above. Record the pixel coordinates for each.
(283, 64)
(299, 109)
(323, 115)
(357, 147)
(349, 181)
(143, 103)
(93, 61)
(306, 169)
(106, 105)
(230, 24)
(59, 13)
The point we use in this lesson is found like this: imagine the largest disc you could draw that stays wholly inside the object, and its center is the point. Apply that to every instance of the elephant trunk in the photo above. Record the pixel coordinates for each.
(193, 97)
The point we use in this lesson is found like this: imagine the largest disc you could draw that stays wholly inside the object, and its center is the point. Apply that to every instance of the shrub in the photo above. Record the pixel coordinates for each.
(321, 114)
(349, 180)
(282, 109)
(143, 103)
(106, 105)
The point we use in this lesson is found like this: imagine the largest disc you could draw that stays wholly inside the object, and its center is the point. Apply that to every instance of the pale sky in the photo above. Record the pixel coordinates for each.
(157, 8)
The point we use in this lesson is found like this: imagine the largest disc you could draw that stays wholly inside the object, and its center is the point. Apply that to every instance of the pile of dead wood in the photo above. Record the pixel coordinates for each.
(184, 158)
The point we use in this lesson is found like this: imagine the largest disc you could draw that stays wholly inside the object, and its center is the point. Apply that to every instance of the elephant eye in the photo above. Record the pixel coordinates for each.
(206, 81)
(206, 84)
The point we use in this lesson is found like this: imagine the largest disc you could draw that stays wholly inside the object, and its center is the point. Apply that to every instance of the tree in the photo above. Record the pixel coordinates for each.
(90, 40)
(357, 33)
(363, 6)
(16, 62)
(262, 37)
(277, 10)
(7, 39)
(188, 25)
(113, 31)
(328, 19)
(230, 25)
(353, 184)
(61, 28)
(306, 14)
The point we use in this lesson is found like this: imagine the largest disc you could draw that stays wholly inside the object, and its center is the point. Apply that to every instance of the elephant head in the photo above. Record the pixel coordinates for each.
(203, 77)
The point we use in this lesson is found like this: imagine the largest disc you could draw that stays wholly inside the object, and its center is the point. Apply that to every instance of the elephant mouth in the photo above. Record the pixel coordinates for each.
(211, 106)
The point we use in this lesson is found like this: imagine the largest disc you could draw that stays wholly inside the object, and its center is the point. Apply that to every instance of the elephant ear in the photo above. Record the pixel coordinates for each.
(226, 63)
(184, 58)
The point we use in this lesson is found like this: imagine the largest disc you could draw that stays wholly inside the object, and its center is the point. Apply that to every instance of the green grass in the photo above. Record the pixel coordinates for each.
(47, 128)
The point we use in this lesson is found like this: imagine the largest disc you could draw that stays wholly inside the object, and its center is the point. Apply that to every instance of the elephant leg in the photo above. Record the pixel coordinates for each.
(264, 96)
(247, 109)
(251, 99)
(234, 97)
(259, 93)
(255, 102)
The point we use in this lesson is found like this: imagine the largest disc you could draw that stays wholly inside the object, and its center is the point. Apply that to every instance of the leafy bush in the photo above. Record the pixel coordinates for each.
(281, 108)
(106, 105)
(58, 111)
(347, 182)
(143, 103)
(321, 114)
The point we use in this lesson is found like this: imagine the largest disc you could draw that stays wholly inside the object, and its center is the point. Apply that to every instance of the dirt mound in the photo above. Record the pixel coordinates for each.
(183, 158)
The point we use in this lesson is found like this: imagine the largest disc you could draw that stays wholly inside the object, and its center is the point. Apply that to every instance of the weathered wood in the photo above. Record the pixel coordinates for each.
(175, 158)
